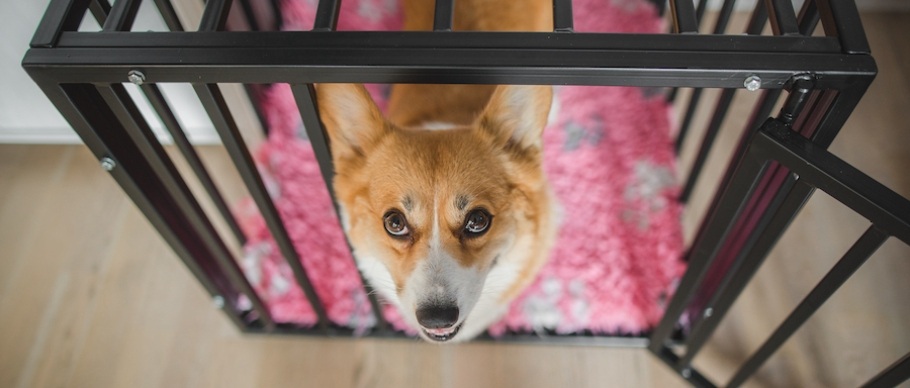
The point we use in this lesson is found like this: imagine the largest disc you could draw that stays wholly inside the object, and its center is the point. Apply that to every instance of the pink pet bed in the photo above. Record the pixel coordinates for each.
(609, 157)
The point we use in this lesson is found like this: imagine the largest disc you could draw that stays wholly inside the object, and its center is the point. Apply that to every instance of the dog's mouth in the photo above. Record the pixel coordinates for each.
(442, 335)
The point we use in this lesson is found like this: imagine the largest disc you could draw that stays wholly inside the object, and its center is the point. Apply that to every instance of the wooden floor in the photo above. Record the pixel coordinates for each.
(90, 296)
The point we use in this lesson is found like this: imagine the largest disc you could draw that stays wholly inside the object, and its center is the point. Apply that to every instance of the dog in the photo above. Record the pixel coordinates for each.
(444, 199)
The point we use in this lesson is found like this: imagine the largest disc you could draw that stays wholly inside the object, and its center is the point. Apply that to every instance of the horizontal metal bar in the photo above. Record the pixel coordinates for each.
(122, 15)
(893, 375)
(298, 63)
(870, 241)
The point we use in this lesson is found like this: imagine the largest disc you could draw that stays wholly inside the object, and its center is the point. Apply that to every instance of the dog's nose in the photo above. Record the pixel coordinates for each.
(437, 317)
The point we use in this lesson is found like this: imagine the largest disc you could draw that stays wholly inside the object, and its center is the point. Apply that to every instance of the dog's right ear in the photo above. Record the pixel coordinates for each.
(351, 118)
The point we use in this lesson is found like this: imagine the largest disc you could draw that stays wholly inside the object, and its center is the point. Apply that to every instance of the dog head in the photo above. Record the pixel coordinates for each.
(430, 213)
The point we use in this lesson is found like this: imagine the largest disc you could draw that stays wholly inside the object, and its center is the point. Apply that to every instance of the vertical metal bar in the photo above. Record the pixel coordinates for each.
(774, 223)
(691, 375)
(563, 19)
(808, 18)
(841, 19)
(123, 108)
(723, 16)
(61, 15)
(684, 18)
(687, 119)
(758, 19)
(249, 14)
(443, 15)
(100, 9)
(870, 241)
(892, 376)
(88, 114)
(214, 104)
(745, 173)
(122, 15)
(720, 112)
(782, 17)
(327, 15)
(215, 15)
(161, 107)
(305, 96)
(276, 13)
(169, 15)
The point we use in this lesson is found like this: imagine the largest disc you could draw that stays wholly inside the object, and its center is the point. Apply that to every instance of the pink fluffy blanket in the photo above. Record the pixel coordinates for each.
(608, 154)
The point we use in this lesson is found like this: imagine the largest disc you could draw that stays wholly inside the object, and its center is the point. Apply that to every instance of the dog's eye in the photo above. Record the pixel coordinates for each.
(477, 222)
(395, 224)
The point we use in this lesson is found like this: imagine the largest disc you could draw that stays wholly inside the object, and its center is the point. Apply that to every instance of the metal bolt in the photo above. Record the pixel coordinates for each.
(795, 176)
(752, 83)
(709, 312)
(686, 373)
(136, 77)
(218, 301)
(108, 164)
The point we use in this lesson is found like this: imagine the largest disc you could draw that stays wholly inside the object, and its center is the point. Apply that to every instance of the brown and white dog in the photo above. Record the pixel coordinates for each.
(444, 200)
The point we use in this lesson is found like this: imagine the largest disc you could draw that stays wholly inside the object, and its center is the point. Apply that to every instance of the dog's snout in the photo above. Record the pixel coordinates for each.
(437, 317)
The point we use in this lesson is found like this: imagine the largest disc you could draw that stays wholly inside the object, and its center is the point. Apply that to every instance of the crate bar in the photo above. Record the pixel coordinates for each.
(746, 173)
(443, 15)
(808, 18)
(723, 16)
(161, 107)
(249, 14)
(720, 112)
(100, 9)
(166, 9)
(841, 19)
(215, 15)
(61, 15)
(782, 17)
(123, 108)
(692, 375)
(88, 114)
(563, 19)
(685, 21)
(121, 16)
(870, 241)
(214, 104)
(893, 375)
(305, 96)
(796, 194)
(327, 15)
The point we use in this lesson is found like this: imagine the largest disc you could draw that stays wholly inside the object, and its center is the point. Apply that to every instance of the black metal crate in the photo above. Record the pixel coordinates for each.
(816, 80)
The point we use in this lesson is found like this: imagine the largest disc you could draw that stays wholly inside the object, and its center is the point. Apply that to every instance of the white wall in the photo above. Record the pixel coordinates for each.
(26, 116)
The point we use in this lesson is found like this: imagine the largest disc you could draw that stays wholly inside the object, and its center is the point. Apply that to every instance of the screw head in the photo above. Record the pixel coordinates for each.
(709, 312)
(136, 77)
(108, 164)
(218, 301)
(752, 83)
(686, 373)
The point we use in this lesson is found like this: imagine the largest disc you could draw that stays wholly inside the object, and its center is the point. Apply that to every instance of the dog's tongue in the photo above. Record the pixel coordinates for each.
(441, 332)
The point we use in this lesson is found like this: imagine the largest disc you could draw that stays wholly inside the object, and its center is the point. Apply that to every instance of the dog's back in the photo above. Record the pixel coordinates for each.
(460, 104)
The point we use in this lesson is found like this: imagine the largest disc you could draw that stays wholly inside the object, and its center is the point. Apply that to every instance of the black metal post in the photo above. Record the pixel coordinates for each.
(443, 15)
(327, 15)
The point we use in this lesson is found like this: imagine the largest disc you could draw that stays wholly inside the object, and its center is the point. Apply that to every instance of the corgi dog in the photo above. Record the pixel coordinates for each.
(444, 198)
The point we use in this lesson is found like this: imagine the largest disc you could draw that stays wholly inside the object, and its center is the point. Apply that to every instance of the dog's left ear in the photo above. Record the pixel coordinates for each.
(517, 114)
(351, 118)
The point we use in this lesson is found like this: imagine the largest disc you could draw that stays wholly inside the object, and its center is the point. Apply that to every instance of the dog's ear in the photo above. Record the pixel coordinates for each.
(517, 114)
(351, 118)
